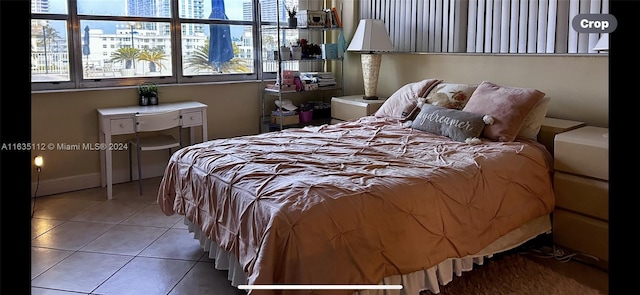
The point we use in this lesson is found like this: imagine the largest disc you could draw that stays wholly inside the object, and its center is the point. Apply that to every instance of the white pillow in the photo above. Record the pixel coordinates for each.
(533, 121)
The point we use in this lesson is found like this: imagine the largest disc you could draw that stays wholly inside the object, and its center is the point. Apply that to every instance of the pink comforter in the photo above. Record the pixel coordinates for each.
(354, 202)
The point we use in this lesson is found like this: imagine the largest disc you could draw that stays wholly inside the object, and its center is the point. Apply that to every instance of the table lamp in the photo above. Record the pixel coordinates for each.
(603, 44)
(370, 38)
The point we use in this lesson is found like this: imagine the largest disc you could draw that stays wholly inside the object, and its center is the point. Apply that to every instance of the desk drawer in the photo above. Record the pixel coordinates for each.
(122, 126)
(191, 119)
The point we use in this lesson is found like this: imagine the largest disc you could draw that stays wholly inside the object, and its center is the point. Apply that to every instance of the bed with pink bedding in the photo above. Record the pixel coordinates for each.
(357, 202)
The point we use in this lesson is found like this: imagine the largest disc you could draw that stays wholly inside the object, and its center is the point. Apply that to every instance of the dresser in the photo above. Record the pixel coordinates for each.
(352, 107)
(581, 186)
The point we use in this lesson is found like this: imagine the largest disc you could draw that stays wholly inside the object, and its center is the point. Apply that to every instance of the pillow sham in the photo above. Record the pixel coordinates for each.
(509, 106)
(455, 124)
(450, 95)
(400, 104)
(533, 121)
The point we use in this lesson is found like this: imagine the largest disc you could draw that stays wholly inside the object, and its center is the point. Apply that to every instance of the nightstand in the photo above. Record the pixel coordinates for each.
(581, 186)
(352, 107)
(551, 127)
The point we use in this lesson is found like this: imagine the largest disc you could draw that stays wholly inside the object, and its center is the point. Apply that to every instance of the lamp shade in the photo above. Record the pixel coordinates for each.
(603, 43)
(371, 36)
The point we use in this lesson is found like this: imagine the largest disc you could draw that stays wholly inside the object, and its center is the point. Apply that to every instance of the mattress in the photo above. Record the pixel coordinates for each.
(354, 202)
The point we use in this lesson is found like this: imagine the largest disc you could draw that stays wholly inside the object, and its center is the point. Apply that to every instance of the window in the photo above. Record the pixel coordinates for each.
(486, 26)
(88, 43)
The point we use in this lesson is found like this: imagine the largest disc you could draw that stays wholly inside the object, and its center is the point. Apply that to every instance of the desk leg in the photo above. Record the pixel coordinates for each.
(103, 172)
(204, 126)
(109, 168)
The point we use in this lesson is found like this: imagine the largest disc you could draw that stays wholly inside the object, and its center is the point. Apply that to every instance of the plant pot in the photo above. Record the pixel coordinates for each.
(127, 72)
(153, 100)
(143, 100)
(293, 22)
(296, 52)
(285, 53)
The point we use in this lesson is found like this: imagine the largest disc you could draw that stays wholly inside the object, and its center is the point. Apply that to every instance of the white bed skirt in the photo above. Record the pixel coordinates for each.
(429, 279)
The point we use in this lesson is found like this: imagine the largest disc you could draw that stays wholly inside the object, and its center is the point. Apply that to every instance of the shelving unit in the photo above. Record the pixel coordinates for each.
(317, 35)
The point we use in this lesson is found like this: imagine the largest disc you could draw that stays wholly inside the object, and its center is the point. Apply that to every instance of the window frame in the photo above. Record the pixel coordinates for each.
(74, 39)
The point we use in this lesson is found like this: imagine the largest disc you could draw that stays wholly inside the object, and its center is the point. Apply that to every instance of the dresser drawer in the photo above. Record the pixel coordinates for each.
(580, 233)
(122, 126)
(582, 195)
(583, 151)
(191, 119)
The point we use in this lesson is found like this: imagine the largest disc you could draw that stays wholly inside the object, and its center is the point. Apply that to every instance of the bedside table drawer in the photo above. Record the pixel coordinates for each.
(582, 195)
(551, 127)
(583, 151)
(353, 107)
(580, 233)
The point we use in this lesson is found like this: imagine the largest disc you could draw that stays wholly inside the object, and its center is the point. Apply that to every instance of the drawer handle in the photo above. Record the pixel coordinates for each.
(121, 125)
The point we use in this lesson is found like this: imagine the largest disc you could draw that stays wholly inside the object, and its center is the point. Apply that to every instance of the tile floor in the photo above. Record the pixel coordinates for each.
(84, 244)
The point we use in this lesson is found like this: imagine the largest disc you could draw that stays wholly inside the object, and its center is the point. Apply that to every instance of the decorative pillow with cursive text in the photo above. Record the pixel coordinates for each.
(455, 124)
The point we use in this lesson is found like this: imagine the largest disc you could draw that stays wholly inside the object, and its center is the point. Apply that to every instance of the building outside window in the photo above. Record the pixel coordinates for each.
(124, 42)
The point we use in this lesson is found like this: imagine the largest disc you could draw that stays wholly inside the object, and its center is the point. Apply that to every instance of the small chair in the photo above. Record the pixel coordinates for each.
(154, 122)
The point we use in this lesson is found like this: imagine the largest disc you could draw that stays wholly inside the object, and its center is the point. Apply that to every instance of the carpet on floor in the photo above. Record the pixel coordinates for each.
(513, 273)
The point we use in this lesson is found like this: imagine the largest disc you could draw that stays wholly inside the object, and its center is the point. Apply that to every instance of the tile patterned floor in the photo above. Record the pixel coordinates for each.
(83, 243)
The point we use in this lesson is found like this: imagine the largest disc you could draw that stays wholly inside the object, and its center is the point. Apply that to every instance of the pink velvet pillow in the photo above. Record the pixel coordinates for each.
(402, 102)
(509, 106)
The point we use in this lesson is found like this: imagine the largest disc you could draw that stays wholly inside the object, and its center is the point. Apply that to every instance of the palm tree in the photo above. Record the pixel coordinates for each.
(154, 57)
(126, 54)
(48, 35)
(199, 61)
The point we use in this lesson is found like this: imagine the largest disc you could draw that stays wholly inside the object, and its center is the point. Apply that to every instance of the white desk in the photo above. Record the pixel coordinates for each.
(114, 121)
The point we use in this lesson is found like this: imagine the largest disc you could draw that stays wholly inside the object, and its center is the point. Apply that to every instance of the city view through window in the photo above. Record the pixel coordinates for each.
(133, 38)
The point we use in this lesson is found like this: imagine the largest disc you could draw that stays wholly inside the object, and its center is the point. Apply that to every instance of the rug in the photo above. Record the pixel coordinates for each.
(513, 274)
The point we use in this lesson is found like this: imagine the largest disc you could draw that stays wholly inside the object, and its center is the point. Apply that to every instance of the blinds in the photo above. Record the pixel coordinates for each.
(485, 26)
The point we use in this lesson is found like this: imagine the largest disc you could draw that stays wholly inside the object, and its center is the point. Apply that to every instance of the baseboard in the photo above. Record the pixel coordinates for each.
(91, 180)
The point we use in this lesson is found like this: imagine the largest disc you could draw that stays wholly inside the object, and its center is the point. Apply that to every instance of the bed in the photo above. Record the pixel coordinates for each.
(377, 200)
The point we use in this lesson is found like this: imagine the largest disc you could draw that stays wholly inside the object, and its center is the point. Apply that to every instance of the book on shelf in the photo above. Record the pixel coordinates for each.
(278, 88)
(325, 75)
(330, 20)
(336, 17)
(329, 50)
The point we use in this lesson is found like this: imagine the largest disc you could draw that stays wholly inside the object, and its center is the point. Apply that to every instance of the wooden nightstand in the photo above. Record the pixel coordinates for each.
(581, 186)
(551, 127)
(352, 107)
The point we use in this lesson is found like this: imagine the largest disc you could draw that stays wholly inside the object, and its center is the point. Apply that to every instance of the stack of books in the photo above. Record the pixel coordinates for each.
(323, 79)
(280, 88)
(284, 113)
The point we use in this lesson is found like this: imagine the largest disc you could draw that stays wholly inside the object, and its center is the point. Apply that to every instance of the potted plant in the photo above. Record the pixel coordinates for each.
(154, 57)
(148, 94)
(293, 20)
(128, 55)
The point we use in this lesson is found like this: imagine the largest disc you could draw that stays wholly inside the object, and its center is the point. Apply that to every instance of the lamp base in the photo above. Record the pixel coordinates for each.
(369, 97)
(370, 72)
